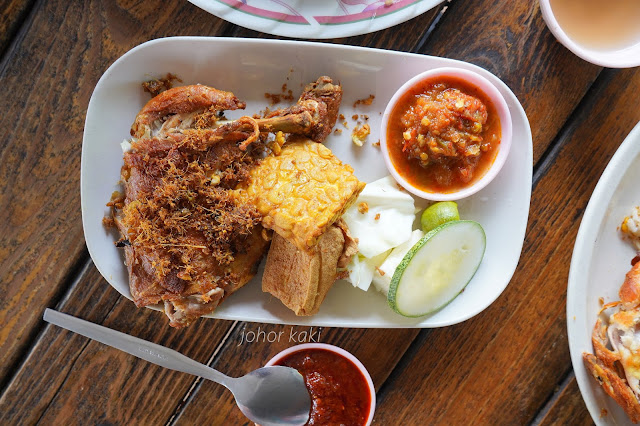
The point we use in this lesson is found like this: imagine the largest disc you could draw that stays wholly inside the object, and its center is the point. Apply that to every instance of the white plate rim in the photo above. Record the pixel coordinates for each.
(314, 30)
(581, 258)
(518, 111)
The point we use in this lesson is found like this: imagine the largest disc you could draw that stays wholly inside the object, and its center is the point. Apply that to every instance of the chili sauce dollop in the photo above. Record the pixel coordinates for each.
(443, 135)
(339, 391)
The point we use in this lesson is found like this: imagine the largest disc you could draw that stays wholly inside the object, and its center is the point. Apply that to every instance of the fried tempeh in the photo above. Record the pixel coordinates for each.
(613, 385)
(301, 192)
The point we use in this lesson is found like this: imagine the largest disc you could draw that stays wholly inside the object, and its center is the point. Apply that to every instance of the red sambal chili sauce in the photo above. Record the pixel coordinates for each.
(339, 391)
(443, 134)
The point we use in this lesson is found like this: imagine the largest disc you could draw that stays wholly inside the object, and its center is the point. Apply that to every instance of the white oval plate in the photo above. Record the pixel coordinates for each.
(251, 67)
(316, 18)
(600, 260)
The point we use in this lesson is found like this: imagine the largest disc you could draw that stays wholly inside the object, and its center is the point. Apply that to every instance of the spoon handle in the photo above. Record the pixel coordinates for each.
(148, 351)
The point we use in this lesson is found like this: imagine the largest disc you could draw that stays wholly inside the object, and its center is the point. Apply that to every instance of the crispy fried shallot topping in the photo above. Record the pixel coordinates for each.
(189, 211)
(159, 85)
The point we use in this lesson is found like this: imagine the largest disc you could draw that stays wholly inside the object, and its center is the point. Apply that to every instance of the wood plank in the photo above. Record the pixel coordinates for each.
(136, 392)
(14, 13)
(117, 28)
(501, 366)
(33, 387)
(511, 40)
(69, 46)
(567, 407)
(378, 349)
(90, 381)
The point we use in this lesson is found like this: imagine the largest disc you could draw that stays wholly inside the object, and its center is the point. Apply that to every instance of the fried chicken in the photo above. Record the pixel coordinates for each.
(189, 240)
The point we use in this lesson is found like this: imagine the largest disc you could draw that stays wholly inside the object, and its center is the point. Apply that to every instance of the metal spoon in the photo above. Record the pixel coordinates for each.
(268, 396)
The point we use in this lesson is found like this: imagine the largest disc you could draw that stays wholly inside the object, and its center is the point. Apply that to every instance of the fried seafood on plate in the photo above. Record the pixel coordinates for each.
(615, 363)
(630, 227)
(189, 239)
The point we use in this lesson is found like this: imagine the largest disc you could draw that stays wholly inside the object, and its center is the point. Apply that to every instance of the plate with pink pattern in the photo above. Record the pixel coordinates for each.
(316, 18)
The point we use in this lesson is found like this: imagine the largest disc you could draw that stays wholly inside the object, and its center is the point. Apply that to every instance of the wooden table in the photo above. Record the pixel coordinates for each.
(508, 365)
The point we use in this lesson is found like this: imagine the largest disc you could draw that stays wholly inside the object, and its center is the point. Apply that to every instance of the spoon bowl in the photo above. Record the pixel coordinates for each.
(269, 396)
(260, 394)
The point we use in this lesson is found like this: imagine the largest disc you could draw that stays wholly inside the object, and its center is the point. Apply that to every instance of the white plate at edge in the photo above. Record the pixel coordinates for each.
(251, 67)
(317, 19)
(600, 260)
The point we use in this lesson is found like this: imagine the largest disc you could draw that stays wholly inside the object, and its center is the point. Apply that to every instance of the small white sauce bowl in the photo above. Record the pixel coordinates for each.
(331, 348)
(614, 58)
(501, 107)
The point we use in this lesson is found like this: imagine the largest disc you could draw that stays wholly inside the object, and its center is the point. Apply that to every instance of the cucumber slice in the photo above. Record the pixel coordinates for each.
(437, 268)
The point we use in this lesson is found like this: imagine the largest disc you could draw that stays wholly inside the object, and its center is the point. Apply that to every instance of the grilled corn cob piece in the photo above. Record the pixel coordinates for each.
(301, 191)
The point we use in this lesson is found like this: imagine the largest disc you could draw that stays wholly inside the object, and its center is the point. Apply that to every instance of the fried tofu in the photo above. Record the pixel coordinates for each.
(300, 279)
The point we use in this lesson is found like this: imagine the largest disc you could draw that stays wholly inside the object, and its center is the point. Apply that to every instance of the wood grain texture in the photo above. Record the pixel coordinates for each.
(68, 379)
(501, 366)
(511, 40)
(378, 349)
(53, 355)
(567, 408)
(12, 17)
(66, 50)
(106, 385)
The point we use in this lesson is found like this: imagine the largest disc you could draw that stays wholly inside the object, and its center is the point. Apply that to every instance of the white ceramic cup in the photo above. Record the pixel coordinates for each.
(614, 58)
(506, 125)
(344, 354)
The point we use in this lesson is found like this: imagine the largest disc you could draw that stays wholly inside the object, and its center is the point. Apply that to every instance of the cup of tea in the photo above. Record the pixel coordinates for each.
(605, 33)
